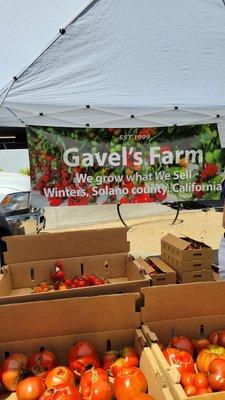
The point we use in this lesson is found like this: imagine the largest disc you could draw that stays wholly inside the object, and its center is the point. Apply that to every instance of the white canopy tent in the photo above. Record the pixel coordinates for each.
(26, 27)
(128, 64)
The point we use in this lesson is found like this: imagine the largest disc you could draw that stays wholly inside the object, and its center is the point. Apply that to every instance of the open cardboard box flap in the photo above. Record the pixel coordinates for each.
(183, 301)
(64, 316)
(65, 244)
(160, 264)
(181, 244)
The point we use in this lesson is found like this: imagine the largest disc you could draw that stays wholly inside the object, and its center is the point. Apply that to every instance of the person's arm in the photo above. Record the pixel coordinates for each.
(224, 216)
(223, 200)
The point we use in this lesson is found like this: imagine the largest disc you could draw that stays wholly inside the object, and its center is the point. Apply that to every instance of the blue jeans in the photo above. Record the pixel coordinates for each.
(221, 258)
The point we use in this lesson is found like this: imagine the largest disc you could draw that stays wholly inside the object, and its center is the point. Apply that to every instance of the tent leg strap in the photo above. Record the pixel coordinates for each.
(120, 216)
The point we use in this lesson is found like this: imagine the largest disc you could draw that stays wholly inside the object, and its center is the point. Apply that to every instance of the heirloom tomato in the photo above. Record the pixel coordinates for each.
(59, 375)
(42, 362)
(82, 356)
(94, 385)
(217, 374)
(182, 343)
(128, 358)
(213, 337)
(61, 392)
(30, 388)
(200, 343)
(207, 355)
(221, 338)
(182, 360)
(12, 370)
(129, 382)
(109, 358)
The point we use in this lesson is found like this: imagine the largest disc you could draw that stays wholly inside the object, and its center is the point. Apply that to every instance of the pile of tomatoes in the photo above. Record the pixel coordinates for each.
(61, 281)
(201, 362)
(85, 377)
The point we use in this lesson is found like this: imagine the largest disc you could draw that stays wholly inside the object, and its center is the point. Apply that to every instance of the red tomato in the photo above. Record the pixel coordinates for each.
(138, 396)
(217, 374)
(187, 378)
(221, 338)
(129, 381)
(61, 392)
(83, 364)
(82, 356)
(182, 343)
(129, 358)
(42, 362)
(204, 391)
(81, 349)
(68, 282)
(200, 343)
(200, 381)
(82, 282)
(181, 359)
(30, 388)
(109, 358)
(59, 375)
(95, 280)
(213, 337)
(12, 368)
(190, 391)
(60, 275)
(94, 385)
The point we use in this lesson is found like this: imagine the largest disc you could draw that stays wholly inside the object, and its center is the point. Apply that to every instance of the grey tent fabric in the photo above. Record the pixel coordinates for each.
(128, 64)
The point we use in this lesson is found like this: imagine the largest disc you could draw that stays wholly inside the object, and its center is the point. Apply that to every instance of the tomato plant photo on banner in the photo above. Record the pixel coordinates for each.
(84, 166)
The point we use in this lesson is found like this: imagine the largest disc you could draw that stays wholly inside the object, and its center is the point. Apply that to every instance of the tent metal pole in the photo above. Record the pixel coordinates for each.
(120, 216)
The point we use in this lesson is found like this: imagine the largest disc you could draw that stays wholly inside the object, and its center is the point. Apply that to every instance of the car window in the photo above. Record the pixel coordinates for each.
(12, 145)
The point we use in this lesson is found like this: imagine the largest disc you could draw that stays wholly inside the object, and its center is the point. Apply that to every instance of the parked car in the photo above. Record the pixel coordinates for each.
(17, 216)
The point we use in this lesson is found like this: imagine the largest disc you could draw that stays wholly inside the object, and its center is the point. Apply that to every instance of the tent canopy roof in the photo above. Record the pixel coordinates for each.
(123, 63)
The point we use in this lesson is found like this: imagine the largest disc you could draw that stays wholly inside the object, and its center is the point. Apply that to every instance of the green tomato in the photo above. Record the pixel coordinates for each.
(211, 147)
(216, 154)
(209, 158)
(118, 148)
(217, 179)
(214, 133)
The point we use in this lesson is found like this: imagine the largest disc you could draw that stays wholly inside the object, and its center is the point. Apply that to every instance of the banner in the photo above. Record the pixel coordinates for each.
(78, 166)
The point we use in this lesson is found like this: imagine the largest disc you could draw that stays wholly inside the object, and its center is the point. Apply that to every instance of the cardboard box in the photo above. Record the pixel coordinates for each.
(30, 259)
(71, 320)
(202, 275)
(191, 265)
(186, 266)
(179, 248)
(186, 311)
(164, 276)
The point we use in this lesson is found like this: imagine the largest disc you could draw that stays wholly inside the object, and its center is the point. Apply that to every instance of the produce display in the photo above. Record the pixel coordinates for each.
(61, 281)
(78, 166)
(200, 361)
(85, 377)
